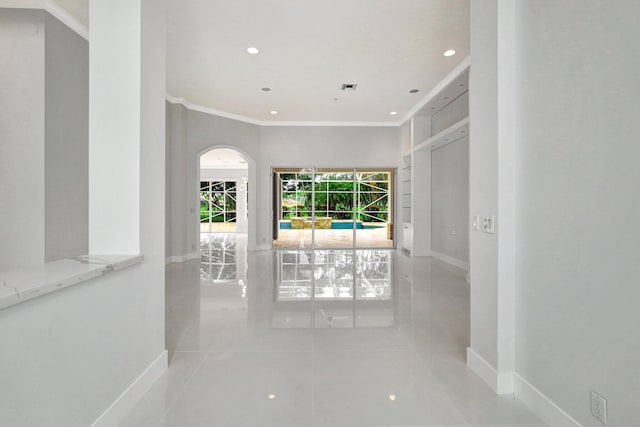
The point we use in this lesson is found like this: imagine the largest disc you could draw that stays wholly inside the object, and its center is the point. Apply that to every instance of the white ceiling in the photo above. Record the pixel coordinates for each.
(79, 9)
(222, 158)
(308, 48)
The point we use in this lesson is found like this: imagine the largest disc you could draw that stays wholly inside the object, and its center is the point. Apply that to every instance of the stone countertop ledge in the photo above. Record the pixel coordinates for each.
(24, 284)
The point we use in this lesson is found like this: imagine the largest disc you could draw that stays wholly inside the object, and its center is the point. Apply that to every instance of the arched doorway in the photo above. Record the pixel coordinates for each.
(224, 177)
(218, 170)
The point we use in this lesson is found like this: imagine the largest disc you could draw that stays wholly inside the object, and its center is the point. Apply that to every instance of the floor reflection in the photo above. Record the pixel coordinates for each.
(345, 289)
(311, 289)
(334, 275)
(221, 258)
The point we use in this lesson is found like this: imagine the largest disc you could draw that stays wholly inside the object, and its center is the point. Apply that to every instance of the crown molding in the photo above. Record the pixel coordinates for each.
(54, 9)
(199, 108)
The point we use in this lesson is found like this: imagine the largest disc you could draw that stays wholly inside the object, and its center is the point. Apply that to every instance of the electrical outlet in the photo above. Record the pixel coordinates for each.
(599, 407)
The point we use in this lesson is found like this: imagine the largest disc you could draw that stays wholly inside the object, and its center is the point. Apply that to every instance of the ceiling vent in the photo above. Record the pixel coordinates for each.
(349, 86)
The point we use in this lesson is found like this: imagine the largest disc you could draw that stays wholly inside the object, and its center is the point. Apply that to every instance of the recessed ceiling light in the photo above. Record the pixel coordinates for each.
(449, 52)
(414, 91)
(393, 113)
(271, 396)
(274, 112)
(266, 89)
(392, 397)
(253, 50)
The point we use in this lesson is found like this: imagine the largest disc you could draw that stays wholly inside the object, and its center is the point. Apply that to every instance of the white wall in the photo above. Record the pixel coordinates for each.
(483, 172)
(21, 138)
(491, 189)
(66, 180)
(450, 200)
(201, 132)
(310, 146)
(67, 356)
(268, 146)
(578, 204)
(176, 178)
(44, 140)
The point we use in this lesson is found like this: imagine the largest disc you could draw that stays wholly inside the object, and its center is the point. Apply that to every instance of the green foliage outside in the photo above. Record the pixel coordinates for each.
(336, 198)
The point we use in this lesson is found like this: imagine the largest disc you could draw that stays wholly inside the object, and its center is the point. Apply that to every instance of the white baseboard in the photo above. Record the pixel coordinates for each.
(182, 258)
(450, 260)
(132, 395)
(500, 382)
(541, 405)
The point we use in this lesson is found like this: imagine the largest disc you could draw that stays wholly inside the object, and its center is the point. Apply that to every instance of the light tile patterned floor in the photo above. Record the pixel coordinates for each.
(319, 338)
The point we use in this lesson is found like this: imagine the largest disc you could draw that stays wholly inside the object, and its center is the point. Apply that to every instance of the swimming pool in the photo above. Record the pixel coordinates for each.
(286, 225)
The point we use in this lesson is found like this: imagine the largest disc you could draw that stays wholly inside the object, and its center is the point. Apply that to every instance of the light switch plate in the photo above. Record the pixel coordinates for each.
(489, 224)
(475, 222)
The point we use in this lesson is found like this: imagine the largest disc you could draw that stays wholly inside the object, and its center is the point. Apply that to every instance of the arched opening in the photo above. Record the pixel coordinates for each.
(224, 192)
(224, 175)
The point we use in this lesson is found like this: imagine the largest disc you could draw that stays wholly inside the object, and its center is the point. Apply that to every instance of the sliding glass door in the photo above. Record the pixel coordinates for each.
(373, 208)
(333, 213)
(322, 208)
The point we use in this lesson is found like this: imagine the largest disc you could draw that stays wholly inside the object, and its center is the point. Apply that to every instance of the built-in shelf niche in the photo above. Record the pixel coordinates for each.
(443, 111)
(443, 119)
(406, 189)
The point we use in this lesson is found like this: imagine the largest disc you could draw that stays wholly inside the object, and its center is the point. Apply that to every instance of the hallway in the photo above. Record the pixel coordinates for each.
(318, 338)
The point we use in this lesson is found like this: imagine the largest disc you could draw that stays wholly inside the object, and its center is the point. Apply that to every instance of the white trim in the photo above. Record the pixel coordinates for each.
(460, 68)
(116, 412)
(500, 382)
(436, 141)
(182, 258)
(54, 9)
(263, 248)
(201, 109)
(450, 260)
(541, 405)
(334, 124)
(194, 107)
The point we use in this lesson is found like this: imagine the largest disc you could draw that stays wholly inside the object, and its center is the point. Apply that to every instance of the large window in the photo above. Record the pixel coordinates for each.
(336, 207)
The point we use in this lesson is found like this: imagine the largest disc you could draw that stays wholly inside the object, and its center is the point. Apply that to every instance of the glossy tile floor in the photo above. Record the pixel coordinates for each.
(318, 338)
(303, 239)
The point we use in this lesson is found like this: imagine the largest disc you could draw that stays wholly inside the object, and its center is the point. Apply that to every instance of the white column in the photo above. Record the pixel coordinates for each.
(114, 126)
(491, 174)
